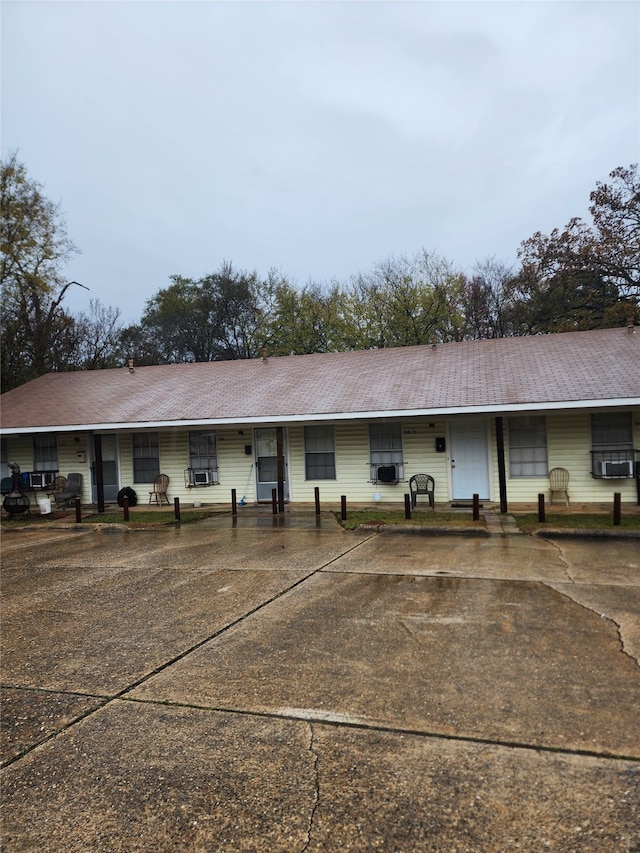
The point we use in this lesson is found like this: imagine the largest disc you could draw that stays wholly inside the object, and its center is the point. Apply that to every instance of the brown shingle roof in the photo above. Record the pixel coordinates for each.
(492, 375)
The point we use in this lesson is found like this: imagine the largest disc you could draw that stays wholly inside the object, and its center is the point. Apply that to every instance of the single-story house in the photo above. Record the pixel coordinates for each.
(487, 418)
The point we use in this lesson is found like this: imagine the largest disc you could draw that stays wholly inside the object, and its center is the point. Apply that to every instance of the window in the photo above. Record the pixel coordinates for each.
(45, 453)
(612, 452)
(319, 453)
(202, 449)
(4, 453)
(528, 446)
(385, 450)
(203, 460)
(146, 457)
(611, 431)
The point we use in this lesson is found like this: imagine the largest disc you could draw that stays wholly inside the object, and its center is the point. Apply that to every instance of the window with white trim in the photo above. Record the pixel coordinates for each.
(612, 453)
(45, 452)
(528, 446)
(611, 431)
(202, 450)
(319, 452)
(203, 458)
(385, 452)
(146, 457)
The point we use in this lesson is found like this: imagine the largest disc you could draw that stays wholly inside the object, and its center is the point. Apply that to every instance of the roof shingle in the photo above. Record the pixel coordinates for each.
(488, 375)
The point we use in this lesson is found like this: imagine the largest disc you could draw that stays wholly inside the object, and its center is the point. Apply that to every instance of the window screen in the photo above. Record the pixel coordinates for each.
(611, 431)
(146, 457)
(385, 444)
(528, 446)
(45, 453)
(202, 450)
(319, 453)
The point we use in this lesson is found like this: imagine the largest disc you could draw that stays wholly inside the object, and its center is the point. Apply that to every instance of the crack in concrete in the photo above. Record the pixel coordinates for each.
(316, 788)
(363, 725)
(602, 615)
(563, 560)
(122, 694)
(623, 647)
(404, 625)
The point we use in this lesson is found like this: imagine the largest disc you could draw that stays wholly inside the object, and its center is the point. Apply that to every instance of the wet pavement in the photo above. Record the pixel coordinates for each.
(284, 685)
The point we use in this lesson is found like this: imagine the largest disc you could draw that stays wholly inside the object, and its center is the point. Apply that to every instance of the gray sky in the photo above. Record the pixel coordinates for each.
(317, 138)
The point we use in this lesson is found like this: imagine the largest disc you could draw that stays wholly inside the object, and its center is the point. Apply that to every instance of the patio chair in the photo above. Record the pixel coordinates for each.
(559, 483)
(72, 490)
(160, 486)
(422, 484)
(57, 487)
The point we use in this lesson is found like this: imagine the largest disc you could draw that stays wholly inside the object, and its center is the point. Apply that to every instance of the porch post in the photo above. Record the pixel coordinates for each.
(502, 470)
(280, 463)
(97, 455)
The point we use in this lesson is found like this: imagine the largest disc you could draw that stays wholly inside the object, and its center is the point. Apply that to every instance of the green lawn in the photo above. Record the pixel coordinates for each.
(529, 523)
(137, 518)
(419, 518)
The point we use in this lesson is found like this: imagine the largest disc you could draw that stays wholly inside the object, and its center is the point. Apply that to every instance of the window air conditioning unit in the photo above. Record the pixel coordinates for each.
(387, 474)
(201, 478)
(623, 468)
(37, 481)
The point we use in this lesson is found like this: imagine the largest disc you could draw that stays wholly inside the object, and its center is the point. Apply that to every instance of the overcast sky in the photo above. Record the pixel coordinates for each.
(317, 138)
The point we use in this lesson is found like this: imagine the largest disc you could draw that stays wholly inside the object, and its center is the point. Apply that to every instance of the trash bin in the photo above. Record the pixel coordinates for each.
(45, 505)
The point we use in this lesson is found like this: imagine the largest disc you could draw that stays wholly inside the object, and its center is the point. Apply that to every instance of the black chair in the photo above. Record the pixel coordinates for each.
(422, 484)
(72, 490)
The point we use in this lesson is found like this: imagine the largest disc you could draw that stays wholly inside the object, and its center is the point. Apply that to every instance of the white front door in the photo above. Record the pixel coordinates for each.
(469, 459)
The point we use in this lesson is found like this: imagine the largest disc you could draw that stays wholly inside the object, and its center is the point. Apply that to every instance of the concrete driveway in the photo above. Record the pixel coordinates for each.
(284, 685)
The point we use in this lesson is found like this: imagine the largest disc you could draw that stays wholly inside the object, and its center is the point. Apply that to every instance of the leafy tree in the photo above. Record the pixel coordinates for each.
(585, 275)
(37, 334)
(407, 301)
(306, 321)
(615, 209)
(561, 285)
(97, 336)
(220, 316)
(488, 301)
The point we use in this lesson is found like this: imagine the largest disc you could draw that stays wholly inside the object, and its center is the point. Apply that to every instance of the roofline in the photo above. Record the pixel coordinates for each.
(334, 416)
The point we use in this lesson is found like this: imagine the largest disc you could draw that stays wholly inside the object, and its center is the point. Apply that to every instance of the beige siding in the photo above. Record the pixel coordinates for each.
(74, 458)
(569, 446)
(20, 450)
(235, 466)
(353, 473)
(568, 442)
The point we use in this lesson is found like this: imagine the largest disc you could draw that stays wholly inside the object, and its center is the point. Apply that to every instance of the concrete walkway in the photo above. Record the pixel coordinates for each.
(289, 686)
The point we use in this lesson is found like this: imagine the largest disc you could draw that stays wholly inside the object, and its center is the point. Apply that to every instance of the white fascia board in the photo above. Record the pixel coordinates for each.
(622, 402)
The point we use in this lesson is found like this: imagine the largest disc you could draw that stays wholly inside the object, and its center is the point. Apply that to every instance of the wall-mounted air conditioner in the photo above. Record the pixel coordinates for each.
(622, 468)
(201, 478)
(387, 474)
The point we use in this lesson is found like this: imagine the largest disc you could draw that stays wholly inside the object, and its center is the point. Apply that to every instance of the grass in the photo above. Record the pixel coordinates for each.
(141, 518)
(137, 518)
(419, 519)
(528, 522)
